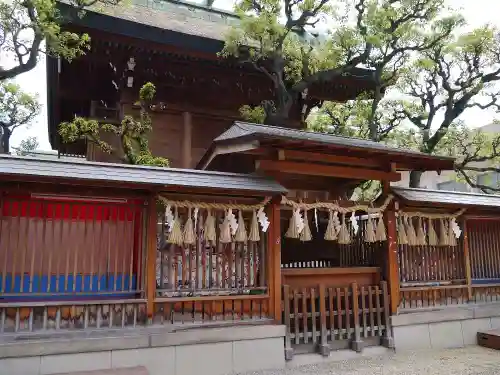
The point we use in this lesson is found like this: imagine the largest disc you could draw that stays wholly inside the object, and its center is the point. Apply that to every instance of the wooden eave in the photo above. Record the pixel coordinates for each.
(311, 175)
(119, 176)
(335, 154)
(473, 211)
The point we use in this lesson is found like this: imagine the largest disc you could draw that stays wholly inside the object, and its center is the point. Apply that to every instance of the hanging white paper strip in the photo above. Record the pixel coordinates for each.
(263, 220)
(456, 229)
(299, 220)
(316, 219)
(336, 222)
(233, 223)
(169, 218)
(354, 222)
(195, 216)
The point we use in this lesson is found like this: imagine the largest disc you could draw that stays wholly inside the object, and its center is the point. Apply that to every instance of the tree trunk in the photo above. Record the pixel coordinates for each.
(5, 141)
(415, 177)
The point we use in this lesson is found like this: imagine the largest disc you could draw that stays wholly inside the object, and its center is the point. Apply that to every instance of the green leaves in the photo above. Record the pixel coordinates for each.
(147, 92)
(280, 39)
(26, 146)
(256, 115)
(131, 132)
(17, 107)
(31, 27)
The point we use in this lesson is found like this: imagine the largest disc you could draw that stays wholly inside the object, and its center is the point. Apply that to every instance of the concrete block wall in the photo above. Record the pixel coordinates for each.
(453, 327)
(218, 351)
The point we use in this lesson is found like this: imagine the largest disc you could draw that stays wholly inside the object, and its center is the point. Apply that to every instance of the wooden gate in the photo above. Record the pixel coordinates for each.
(323, 318)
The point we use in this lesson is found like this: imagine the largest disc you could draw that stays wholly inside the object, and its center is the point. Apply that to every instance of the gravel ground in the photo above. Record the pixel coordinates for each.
(471, 360)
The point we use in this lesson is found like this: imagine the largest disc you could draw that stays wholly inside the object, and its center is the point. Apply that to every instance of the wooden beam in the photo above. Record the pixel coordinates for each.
(274, 261)
(392, 269)
(325, 170)
(334, 159)
(468, 278)
(152, 220)
(187, 130)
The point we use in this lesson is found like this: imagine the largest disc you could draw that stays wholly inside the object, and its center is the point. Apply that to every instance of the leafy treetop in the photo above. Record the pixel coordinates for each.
(17, 108)
(433, 87)
(31, 27)
(27, 146)
(276, 37)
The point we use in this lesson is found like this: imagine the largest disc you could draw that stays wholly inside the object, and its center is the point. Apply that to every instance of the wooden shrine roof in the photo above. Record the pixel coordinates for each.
(182, 17)
(277, 137)
(18, 167)
(161, 21)
(425, 197)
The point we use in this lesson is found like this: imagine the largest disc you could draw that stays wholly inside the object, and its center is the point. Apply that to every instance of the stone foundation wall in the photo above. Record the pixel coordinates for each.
(208, 351)
(452, 327)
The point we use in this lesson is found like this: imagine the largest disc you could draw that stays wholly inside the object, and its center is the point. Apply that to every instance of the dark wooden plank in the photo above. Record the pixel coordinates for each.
(312, 303)
(304, 315)
(296, 316)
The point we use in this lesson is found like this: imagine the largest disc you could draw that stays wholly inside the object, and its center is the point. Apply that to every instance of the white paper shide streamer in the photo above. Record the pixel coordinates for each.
(263, 220)
(169, 218)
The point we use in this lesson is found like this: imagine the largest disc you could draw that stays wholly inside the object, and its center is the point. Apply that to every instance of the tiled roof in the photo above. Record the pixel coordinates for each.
(178, 16)
(447, 197)
(132, 174)
(243, 130)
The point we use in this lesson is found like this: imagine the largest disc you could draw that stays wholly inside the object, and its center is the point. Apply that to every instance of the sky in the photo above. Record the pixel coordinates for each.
(477, 13)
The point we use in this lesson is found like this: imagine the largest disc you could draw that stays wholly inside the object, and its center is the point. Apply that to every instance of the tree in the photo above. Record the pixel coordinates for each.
(27, 146)
(433, 89)
(131, 132)
(476, 152)
(444, 83)
(26, 24)
(381, 36)
(17, 108)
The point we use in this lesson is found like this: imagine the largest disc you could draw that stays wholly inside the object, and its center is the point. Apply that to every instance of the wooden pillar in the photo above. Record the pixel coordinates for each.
(151, 256)
(274, 261)
(468, 278)
(392, 269)
(187, 130)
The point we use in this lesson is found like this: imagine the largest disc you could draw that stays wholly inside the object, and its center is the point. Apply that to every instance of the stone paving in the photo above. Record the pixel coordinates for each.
(470, 360)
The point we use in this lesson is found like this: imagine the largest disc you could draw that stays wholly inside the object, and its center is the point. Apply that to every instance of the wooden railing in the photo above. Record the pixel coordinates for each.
(59, 316)
(431, 263)
(323, 316)
(210, 268)
(200, 310)
(412, 298)
(19, 317)
(433, 276)
(432, 296)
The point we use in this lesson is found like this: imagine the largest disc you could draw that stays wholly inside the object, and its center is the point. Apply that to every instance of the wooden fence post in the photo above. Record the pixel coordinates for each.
(392, 271)
(468, 278)
(274, 261)
(387, 340)
(286, 310)
(151, 249)
(356, 344)
(324, 348)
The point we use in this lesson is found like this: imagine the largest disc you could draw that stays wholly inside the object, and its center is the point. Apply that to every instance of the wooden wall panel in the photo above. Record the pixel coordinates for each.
(166, 139)
(484, 248)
